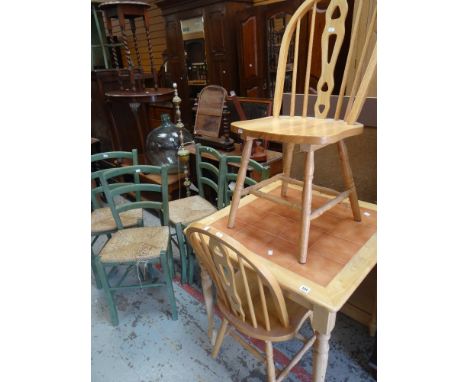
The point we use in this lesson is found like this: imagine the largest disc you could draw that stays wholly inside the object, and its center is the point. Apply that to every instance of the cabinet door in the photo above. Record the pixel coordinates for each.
(251, 51)
(176, 64)
(221, 46)
(215, 31)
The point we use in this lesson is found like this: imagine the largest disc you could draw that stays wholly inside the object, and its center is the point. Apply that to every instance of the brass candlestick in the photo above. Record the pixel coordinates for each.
(183, 153)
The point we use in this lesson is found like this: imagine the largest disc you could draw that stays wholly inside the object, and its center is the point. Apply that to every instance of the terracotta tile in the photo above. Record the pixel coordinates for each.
(283, 253)
(318, 268)
(326, 222)
(254, 239)
(292, 195)
(342, 211)
(273, 223)
(249, 212)
(222, 226)
(287, 212)
(357, 232)
(318, 201)
(334, 248)
(292, 232)
(369, 217)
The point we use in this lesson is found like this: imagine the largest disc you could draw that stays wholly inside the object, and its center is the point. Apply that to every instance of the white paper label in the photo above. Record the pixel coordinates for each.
(305, 289)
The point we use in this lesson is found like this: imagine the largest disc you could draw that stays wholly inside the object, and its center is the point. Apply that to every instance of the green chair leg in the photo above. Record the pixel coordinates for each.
(97, 280)
(170, 259)
(169, 288)
(182, 252)
(110, 298)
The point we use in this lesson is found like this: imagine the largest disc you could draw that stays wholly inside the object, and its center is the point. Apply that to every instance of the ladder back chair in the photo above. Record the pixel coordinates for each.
(139, 246)
(231, 176)
(102, 221)
(249, 297)
(184, 211)
(313, 133)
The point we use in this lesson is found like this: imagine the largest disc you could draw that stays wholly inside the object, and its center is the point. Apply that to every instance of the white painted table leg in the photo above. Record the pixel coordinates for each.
(321, 347)
(323, 323)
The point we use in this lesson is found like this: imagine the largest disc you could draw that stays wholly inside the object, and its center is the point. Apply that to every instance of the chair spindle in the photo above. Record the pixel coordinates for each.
(349, 59)
(264, 305)
(253, 317)
(294, 77)
(309, 61)
(358, 75)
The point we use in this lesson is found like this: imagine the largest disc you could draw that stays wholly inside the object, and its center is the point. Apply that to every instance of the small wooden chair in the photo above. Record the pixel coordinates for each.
(132, 247)
(249, 297)
(312, 133)
(102, 221)
(186, 210)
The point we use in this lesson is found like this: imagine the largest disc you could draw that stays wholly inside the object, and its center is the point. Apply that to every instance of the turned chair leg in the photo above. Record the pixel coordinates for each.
(287, 162)
(349, 180)
(270, 361)
(240, 180)
(219, 338)
(306, 205)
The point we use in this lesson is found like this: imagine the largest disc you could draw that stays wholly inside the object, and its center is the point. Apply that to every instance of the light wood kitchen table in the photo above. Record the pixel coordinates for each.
(341, 254)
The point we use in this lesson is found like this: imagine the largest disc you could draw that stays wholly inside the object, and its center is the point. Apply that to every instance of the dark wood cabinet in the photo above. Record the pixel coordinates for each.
(257, 64)
(219, 37)
(259, 34)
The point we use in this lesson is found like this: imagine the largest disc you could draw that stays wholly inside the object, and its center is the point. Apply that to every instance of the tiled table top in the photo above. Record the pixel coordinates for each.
(265, 227)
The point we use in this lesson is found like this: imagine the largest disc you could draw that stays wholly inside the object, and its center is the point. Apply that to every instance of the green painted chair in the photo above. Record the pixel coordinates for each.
(102, 221)
(184, 211)
(138, 246)
(231, 176)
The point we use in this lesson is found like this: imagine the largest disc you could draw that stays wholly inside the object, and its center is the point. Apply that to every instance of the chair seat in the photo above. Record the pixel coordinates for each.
(305, 130)
(135, 244)
(188, 210)
(103, 221)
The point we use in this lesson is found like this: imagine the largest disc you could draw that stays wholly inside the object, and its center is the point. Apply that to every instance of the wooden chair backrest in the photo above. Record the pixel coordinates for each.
(101, 162)
(210, 111)
(217, 172)
(228, 263)
(133, 188)
(331, 42)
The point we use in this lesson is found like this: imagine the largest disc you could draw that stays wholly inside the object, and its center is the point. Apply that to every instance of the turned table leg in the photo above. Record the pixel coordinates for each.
(323, 324)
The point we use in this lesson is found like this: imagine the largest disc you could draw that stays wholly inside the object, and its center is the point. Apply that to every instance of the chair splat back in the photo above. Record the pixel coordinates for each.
(332, 37)
(218, 173)
(136, 188)
(239, 278)
(117, 156)
(232, 176)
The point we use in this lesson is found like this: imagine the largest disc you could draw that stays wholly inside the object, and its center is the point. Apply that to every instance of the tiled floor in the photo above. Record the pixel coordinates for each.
(148, 346)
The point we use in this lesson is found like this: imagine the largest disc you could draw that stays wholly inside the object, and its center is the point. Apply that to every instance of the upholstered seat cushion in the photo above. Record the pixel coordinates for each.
(188, 210)
(135, 244)
(103, 221)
